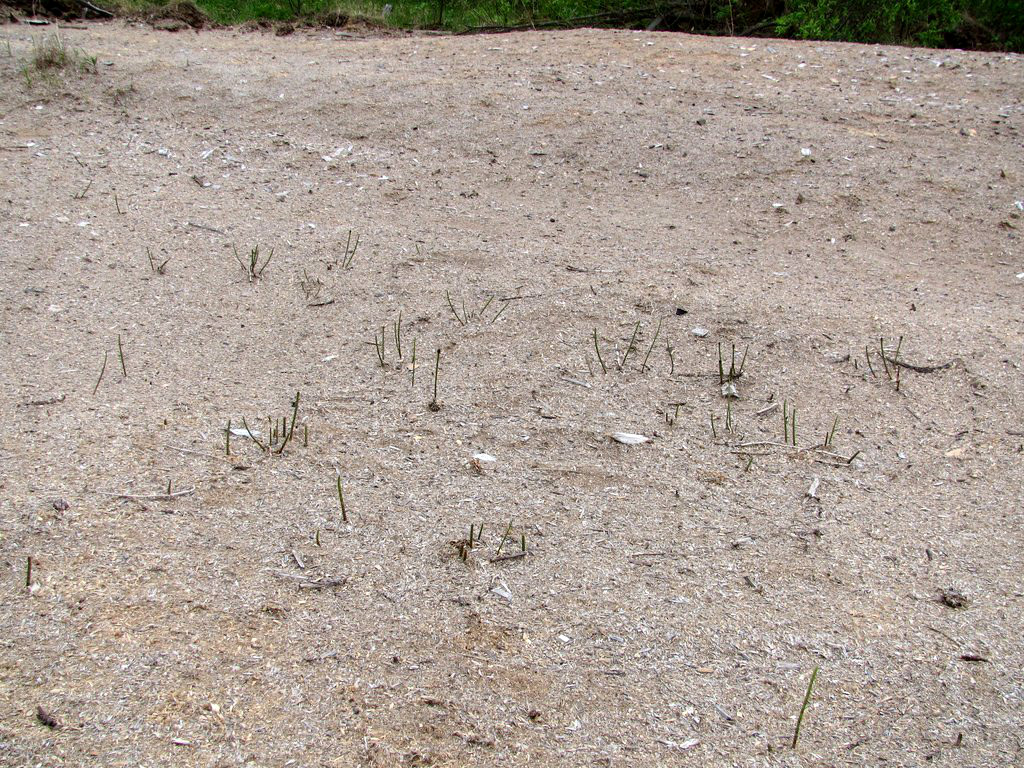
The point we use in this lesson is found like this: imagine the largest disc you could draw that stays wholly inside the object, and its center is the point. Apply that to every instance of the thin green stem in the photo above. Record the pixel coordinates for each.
(803, 708)
(341, 501)
(597, 349)
(504, 538)
(120, 354)
(499, 312)
(643, 365)
(434, 405)
(451, 306)
(632, 343)
(102, 369)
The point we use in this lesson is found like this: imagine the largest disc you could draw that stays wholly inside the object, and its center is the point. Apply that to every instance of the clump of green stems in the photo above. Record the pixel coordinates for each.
(380, 344)
(467, 316)
(505, 537)
(788, 423)
(892, 373)
(671, 420)
(251, 266)
(280, 433)
(734, 371)
(831, 433)
(154, 267)
(345, 261)
(630, 348)
(474, 538)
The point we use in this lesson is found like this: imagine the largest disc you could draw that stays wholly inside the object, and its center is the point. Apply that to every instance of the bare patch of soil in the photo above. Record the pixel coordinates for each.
(513, 206)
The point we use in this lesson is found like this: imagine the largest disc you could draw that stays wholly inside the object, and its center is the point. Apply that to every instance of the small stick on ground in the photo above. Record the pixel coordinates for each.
(150, 496)
(47, 401)
(511, 556)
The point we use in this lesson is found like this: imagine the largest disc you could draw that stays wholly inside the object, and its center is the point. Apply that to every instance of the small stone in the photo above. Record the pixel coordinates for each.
(628, 438)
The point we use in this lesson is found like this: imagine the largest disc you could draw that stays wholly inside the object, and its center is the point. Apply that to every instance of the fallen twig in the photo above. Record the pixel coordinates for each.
(923, 368)
(47, 401)
(204, 226)
(512, 556)
(95, 9)
(322, 583)
(149, 496)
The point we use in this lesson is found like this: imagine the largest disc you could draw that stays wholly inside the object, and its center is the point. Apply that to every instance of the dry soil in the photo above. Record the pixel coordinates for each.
(513, 197)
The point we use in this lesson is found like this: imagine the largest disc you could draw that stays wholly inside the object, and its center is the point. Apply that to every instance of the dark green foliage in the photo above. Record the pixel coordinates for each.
(991, 24)
(937, 23)
(925, 22)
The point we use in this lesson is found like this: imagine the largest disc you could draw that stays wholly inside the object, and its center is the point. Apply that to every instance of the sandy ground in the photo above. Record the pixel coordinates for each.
(799, 201)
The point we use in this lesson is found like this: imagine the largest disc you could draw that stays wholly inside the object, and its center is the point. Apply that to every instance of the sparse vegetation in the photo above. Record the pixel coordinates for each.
(344, 260)
(468, 315)
(280, 431)
(631, 347)
(52, 54)
(251, 266)
(157, 268)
